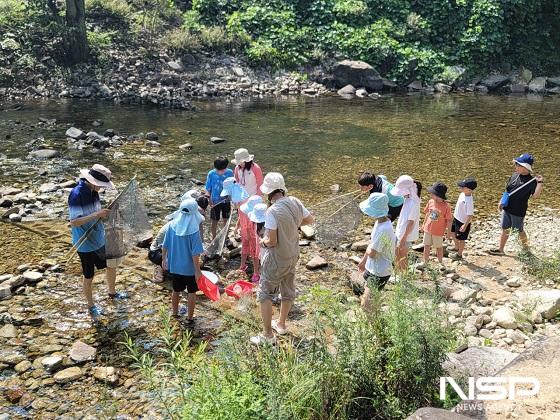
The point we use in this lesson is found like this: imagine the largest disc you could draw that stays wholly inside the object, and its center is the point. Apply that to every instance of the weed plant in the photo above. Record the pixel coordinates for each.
(346, 363)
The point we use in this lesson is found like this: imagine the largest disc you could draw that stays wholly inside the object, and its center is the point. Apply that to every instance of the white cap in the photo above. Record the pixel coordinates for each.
(273, 181)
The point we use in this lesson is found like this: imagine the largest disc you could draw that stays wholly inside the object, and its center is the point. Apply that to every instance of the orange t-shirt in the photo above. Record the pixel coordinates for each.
(438, 215)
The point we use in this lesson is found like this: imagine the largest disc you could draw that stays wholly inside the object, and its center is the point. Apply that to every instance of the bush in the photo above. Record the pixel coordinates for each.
(352, 364)
(116, 9)
(12, 12)
(181, 41)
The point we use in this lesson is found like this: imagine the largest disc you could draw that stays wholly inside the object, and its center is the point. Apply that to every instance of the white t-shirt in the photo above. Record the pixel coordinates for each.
(464, 207)
(383, 240)
(270, 221)
(410, 211)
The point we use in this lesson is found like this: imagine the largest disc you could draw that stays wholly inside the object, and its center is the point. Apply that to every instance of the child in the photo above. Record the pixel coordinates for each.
(249, 240)
(370, 183)
(220, 207)
(181, 250)
(377, 261)
(258, 217)
(409, 219)
(203, 203)
(437, 221)
(462, 216)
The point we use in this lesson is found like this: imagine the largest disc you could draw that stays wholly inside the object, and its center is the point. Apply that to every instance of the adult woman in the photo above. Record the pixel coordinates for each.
(249, 175)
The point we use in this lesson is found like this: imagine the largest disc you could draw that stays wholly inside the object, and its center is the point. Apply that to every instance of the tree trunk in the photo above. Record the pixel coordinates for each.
(77, 50)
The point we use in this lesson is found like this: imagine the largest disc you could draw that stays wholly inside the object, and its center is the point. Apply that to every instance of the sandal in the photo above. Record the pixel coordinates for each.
(496, 251)
(279, 330)
(260, 339)
(256, 278)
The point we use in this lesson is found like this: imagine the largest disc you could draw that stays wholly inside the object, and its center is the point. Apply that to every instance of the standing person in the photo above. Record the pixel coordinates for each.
(409, 219)
(377, 262)
(181, 250)
(220, 208)
(85, 213)
(247, 172)
(520, 188)
(249, 242)
(462, 216)
(370, 183)
(249, 175)
(281, 254)
(437, 221)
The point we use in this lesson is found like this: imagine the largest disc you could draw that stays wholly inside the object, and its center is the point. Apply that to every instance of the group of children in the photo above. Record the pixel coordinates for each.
(401, 202)
(269, 234)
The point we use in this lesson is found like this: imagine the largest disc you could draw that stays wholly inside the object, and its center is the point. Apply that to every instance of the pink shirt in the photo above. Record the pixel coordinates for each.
(251, 180)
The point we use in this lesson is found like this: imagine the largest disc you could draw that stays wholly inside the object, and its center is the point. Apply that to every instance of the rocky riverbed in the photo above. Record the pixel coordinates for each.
(51, 347)
(173, 82)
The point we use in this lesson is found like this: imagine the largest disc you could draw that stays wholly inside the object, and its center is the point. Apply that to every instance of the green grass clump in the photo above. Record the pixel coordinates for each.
(346, 364)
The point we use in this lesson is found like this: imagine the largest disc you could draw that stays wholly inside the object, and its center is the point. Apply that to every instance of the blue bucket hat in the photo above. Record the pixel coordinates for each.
(526, 160)
(188, 219)
(258, 214)
(236, 192)
(376, 205)
(250, 204)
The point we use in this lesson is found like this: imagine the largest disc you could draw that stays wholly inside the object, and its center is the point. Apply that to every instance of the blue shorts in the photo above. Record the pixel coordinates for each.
(510, 221)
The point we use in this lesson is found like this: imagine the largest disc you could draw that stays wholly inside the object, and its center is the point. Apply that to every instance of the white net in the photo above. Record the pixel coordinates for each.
(336, 219)
(215, 248)
(127, 223)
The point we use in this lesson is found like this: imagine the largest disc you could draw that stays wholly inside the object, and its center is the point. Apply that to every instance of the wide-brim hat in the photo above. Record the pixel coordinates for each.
(250, 204)
(188, 219)
(439, 189)
(526, 160)
(98, 175)
(258, 214)
(376, 205)
(273, 181)
(242, 155)
(403, 185)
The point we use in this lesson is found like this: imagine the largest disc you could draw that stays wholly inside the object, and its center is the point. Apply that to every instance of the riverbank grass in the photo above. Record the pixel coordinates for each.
(345, 364)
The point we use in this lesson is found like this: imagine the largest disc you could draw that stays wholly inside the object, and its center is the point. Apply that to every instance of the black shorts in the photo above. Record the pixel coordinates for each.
(394, 212)
(375, 281)
(92, 260)
(456, 226)
(220, 211)
(181, 283)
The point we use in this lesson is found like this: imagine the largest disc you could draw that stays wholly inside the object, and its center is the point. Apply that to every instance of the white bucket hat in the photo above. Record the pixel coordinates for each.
(242, 155)
(258, 215)
(98, 175)
(250, 204)
(273, 181)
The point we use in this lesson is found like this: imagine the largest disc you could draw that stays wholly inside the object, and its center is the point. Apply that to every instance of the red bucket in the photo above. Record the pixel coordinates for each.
(206, 286)
(246, 288)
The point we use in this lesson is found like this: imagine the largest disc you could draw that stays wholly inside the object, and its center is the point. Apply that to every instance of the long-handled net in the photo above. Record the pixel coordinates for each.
(215, 248)
(336, 218)
(127, 223)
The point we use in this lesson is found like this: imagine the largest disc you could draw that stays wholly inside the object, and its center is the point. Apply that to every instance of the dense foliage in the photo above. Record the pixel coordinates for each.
(349, 364)
(403, 39)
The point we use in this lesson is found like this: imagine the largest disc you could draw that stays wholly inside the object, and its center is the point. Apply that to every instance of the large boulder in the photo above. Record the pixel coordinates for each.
(553, 81)
(495, 81)
(505, 318)
(357, 73)
(538, 85)
(477, 361)
(431, 413)
(544, 301)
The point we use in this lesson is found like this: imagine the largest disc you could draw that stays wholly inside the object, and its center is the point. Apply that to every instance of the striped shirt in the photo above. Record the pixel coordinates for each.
(83, 201)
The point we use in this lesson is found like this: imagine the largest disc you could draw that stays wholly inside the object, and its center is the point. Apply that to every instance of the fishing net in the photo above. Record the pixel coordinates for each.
(336, 219)
(127, 223)
(215, 248)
